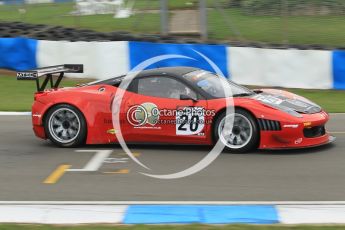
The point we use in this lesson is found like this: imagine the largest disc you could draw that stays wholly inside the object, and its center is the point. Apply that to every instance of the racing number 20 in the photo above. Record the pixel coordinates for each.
(193, 123)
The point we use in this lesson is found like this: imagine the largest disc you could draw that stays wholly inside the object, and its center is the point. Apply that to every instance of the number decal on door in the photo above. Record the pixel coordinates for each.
(184, 121)
(189, 120)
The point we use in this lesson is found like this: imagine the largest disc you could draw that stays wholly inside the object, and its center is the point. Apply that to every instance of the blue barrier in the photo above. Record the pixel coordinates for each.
(12, 2)
(141, 51)
(251, 214)
(205, 214)
(22, 54)
(18, 53)
(19, 2)
(338, 64)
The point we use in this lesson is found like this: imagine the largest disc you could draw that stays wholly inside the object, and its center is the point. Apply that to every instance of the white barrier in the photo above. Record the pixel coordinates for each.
(38, 1)
(101, 60)
(284, 68)
(311, 214)
(66, 214)
(311, 69)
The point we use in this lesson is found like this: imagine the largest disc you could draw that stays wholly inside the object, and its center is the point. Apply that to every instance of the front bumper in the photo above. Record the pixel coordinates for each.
(303, 133)
(329, 140)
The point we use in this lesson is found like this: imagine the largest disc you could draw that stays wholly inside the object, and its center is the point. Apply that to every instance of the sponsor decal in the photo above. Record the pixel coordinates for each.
(268, 99)
(190, 120)
(298, 141)
(111, 131)
(36, 115)
(291, 126)
(306, 124)
(187, 120)
(27, 75)
(107, 121)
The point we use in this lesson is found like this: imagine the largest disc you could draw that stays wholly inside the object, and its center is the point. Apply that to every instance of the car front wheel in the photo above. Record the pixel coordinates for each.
(243, 134)
(65, 126)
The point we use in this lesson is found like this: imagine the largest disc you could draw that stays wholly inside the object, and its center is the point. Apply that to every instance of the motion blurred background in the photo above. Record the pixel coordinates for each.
(316, 23)
(295, 44)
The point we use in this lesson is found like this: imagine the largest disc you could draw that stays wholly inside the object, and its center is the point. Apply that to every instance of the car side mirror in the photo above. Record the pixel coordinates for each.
(186, 97)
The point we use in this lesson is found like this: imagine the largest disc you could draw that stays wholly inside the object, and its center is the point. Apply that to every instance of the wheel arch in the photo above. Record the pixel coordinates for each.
(44, 117)
(235, 107)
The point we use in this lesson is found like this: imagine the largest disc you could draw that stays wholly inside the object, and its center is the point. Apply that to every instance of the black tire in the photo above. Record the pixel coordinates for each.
(73, 119)
(253, 140)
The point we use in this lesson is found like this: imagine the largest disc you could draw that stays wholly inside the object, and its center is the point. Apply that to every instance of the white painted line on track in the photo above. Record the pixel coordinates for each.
(15, 113)
(96, 161)
(172, 202)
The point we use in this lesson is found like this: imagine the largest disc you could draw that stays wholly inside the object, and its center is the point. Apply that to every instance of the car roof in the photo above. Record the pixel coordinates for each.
(175, 71)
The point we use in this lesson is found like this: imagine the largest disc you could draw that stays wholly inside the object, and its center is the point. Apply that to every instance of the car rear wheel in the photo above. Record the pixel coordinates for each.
(65, 126)
(242, 136)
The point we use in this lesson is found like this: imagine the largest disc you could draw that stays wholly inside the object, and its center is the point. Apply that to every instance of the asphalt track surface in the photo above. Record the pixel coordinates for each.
(316, 174)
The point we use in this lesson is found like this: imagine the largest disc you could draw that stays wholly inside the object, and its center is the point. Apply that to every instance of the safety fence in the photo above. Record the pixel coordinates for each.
(317, 23)
(312, 69)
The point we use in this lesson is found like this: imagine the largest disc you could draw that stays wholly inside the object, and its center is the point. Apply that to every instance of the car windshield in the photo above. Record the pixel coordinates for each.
(216, 85)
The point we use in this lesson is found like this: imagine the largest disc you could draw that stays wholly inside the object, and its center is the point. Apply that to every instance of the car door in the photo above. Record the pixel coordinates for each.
(163, 109)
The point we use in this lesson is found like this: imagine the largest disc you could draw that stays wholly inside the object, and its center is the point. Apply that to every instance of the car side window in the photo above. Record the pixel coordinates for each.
(165, 87)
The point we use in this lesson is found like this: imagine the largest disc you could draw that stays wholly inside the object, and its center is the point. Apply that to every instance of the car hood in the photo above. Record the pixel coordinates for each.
(281, 99)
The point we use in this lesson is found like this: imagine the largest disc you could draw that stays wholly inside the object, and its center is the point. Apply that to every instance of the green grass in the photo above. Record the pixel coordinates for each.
(58, 14)
(333, 101)
(173, 4)
(18, 95)
(155, 4)
(325, 30)
(169, 227)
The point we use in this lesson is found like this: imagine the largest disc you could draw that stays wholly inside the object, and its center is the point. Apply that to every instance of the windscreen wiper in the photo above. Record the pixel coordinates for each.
(258, 91)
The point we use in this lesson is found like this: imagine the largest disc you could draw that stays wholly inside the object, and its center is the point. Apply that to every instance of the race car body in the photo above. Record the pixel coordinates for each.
(176, 105)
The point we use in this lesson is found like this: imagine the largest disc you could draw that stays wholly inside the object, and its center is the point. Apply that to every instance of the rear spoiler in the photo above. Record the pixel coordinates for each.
(48, 72)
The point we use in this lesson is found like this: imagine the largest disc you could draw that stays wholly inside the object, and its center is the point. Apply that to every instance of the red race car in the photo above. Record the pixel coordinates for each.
(174, 105)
